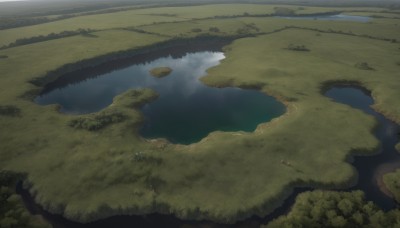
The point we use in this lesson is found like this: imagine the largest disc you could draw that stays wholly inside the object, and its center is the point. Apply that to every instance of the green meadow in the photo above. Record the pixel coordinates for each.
(94, 166)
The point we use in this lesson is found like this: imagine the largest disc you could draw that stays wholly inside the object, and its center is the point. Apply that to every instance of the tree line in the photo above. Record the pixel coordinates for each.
(51, 36)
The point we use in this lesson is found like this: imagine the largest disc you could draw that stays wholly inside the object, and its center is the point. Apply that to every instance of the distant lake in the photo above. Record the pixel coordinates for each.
(186, 110)
(337, 17)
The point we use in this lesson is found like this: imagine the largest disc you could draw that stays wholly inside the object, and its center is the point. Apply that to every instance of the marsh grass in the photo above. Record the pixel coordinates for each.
(228, 176)
(160, 72)
(97, 121)
(10, 110)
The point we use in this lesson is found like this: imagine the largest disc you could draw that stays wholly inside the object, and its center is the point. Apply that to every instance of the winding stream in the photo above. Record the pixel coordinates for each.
(371, 168)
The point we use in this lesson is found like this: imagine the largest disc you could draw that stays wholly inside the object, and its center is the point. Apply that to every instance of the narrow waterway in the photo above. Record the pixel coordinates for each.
(371, 168)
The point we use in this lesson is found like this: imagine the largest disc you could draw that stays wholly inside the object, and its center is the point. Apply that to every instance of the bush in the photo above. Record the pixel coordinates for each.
(13, 213)
(392, 183)
(9, 110)
(143, 157)
(293, 47)
(335, 209)
(97, 121)
(154, 183)
(196, 30)
(363, 66)
(283, 11)
(3, 56)
(248, 29)
(214, 29)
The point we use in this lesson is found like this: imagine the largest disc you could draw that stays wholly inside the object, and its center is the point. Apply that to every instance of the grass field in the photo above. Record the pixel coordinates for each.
(87, 175)
(137, 17)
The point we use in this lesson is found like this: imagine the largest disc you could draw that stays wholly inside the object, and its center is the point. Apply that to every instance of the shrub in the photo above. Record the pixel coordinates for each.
(143, 157)
(363, 66)
(294, 47)
(214, 29)
(3, 56)
(12, 210)
(97, 121)
(154, 183)
(335, 209)
(9, 110)
(248, 28)
(283, 11)
(196, 30)
(392, 183)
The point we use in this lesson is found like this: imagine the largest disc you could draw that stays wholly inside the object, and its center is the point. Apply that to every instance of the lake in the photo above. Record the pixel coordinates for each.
(186, 110)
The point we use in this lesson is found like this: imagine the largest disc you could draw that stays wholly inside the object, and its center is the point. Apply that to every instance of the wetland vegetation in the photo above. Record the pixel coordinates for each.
(160, 72)
(87, 166)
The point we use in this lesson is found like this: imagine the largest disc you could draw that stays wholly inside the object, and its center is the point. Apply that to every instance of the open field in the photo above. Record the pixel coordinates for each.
(88, 175)
(137, 17)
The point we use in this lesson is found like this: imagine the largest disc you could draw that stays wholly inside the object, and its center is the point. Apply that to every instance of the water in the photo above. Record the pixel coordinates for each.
(337, 17)
(185, 112)
(371, 168)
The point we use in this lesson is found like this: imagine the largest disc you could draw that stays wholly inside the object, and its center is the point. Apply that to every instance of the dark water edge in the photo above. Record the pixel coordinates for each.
(152, 220)
(174, 50)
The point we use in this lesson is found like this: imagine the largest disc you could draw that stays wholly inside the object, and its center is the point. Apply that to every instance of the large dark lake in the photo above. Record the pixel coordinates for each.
(186, 110)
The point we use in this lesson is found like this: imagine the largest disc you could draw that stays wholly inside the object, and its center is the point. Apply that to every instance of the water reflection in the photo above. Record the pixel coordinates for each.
(186, 110)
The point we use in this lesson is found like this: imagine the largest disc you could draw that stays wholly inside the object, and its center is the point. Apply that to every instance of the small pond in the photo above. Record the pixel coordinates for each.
(185, 111)
(336, 17)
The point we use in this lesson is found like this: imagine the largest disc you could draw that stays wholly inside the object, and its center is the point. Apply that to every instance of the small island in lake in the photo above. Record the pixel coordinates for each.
(160, 72)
